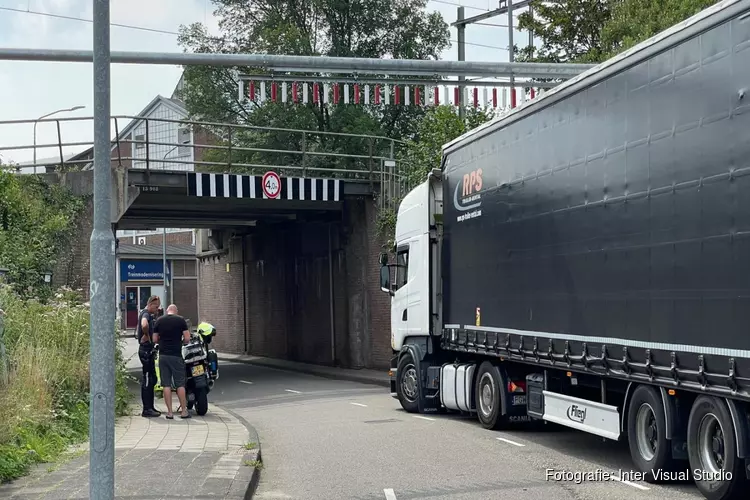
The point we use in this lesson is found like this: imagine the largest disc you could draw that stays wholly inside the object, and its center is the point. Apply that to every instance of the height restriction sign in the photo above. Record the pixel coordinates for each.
(271, 185)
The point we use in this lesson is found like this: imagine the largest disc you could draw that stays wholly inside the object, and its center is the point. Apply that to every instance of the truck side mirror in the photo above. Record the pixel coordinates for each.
(385, 280)
(383, 259)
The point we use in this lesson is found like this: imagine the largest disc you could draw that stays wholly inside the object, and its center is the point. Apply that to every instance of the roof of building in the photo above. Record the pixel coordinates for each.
(152, 250)
(173, 103)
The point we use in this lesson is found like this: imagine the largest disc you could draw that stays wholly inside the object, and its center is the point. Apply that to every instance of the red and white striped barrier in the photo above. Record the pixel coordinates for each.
(388, 94)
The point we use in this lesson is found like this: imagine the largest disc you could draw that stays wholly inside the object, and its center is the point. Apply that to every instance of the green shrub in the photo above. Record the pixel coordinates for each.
(44, 407)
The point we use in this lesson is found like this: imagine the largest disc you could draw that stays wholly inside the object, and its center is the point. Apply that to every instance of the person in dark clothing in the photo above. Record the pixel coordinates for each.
(146, 354)
(171, 333)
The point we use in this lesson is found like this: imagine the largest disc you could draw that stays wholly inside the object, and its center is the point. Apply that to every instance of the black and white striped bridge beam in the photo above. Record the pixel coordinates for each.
(250, 187)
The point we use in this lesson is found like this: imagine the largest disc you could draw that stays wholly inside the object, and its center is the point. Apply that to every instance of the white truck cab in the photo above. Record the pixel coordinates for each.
(414, 308)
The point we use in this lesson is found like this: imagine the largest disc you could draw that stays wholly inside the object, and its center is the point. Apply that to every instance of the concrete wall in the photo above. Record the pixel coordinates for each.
(284, 308)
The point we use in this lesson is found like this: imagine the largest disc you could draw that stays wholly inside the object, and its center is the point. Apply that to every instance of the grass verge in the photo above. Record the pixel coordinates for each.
(44, 404)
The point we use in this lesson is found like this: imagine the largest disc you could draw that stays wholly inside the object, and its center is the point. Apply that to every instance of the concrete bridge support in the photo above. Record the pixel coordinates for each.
(304, 291)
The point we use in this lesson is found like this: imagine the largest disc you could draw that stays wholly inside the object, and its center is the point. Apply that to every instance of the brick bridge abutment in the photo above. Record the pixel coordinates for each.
(302, 291)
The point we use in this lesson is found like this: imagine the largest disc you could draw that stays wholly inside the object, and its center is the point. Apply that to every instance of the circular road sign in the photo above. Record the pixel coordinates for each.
(271, 185)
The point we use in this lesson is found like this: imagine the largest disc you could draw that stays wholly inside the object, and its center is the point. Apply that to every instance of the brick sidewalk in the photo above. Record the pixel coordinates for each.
(202, 457)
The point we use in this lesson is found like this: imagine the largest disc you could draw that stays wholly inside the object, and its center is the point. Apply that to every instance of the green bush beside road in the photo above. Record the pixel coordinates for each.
(44, 406)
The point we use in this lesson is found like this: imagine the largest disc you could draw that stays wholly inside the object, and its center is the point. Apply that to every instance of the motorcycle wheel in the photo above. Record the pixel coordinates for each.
(201, 402)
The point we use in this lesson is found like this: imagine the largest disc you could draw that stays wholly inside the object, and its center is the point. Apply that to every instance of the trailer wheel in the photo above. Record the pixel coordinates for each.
(407, 384)
(649, 447)
(487, 392)
(712, 451)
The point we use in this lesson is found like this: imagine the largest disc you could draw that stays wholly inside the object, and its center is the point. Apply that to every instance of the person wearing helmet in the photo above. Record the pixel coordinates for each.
(207, 331)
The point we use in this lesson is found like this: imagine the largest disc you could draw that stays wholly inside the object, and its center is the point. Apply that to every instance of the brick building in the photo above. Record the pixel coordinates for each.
(140, 273)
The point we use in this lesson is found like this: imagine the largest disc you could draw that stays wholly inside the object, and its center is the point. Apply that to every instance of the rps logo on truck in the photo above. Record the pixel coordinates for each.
(468, 200)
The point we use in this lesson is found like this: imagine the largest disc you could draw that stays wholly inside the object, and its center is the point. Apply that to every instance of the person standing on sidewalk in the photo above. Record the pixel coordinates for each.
(171, 333)
(146, 354)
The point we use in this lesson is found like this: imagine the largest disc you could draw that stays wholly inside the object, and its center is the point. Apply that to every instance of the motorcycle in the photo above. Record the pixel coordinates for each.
(201, 371)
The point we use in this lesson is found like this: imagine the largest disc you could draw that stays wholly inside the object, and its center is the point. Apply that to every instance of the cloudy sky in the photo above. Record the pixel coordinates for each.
(29, 90)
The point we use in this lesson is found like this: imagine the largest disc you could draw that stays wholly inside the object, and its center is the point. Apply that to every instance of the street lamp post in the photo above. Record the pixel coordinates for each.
(66, 110)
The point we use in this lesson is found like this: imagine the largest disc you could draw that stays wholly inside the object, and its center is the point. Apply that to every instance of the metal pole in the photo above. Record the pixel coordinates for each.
(307, 64)
(330, 297)
(35, 147)
(510, 53)
(461, 57)
(531, 33)
(164, 263)
(102, 360)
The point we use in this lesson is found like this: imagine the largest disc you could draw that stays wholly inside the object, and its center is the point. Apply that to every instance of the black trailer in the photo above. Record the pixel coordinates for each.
(591, 259)
(606, 226)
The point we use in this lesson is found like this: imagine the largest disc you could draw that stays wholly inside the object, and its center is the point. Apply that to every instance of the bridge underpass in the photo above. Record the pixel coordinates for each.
(294, 277)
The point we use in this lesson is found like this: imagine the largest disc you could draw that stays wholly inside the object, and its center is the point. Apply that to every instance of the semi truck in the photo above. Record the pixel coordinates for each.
(584, 260)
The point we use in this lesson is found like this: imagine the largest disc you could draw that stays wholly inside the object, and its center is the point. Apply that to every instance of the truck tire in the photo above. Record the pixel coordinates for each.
(712, 448)
(487, 389)
(407, 384)
(650, 449)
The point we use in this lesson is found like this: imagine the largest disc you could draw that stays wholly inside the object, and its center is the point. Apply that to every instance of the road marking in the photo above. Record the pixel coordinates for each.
(246, 382)
(389, 494)
(424, 418)
(629, 483)
(294, 392)
(358, 404)
(510, 442)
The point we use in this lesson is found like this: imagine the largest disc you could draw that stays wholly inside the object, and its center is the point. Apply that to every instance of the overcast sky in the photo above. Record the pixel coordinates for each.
(29, 90)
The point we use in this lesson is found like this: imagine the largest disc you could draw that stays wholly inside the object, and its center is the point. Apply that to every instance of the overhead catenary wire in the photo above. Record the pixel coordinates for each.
(166, 32)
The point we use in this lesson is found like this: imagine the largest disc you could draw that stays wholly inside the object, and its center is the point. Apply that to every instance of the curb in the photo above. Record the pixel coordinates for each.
(251, 455)
(344, 374)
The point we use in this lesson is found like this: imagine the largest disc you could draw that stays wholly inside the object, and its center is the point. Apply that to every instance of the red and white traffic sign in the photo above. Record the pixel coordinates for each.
(271, 185)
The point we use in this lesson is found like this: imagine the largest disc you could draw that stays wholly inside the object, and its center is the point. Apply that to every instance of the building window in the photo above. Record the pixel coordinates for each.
(183, 139)
(190, 268)
(139, 145)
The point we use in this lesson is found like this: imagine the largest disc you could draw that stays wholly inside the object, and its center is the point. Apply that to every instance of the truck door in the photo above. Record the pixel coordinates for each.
(418, 301)
(400, 300)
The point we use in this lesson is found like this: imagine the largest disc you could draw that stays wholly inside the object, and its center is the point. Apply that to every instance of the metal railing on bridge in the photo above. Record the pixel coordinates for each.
(163, 144)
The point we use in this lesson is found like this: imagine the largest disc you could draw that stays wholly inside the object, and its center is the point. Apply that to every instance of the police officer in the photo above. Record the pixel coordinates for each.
(146, 353)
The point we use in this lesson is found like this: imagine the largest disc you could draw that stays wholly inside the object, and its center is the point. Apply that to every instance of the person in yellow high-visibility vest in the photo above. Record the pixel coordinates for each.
(207, 331)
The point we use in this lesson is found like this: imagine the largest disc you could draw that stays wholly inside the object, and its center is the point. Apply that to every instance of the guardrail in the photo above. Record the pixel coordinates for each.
(163, 144)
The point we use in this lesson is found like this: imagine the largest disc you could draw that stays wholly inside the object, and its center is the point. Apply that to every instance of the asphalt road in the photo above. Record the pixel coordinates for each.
(329, 439)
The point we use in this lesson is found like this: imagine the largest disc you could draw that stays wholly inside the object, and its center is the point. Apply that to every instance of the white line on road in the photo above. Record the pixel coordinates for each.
(389, 494)
(510, 442)
(294, 392)
(634, 485)
(246, 382)
(358, 404)
(424, 418)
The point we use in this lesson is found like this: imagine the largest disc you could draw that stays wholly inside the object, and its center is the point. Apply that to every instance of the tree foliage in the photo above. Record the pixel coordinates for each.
(633, 21)
(570, 30)
(591, 31)
(342, 28)
(423, 152)
(36, 222)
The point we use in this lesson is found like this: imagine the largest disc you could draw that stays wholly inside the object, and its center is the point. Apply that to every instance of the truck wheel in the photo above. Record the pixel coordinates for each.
(407, 384)
(712, 451)
(487, 392)
(647, 426)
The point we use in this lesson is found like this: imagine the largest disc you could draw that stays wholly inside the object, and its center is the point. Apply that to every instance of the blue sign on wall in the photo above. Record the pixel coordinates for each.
(139, 270)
